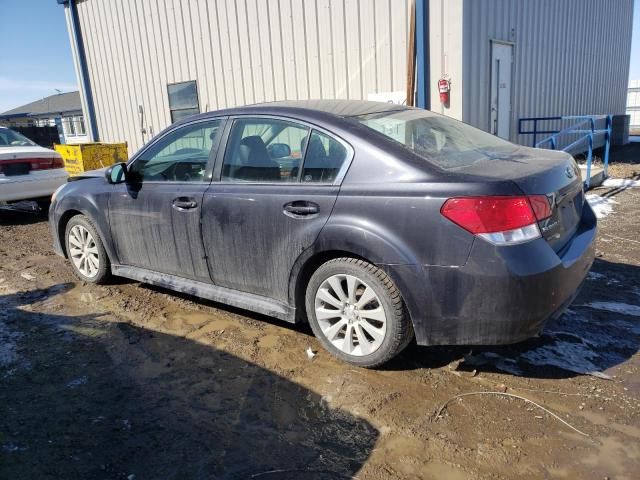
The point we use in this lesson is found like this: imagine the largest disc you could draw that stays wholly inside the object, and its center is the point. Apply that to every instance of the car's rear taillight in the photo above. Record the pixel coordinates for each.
(45, 163)
(540, 205)
(501, 220)
(35, 163)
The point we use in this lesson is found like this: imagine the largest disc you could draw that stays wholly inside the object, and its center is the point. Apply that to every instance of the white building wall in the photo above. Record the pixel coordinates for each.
(446, 54)
(633, 107)
(238, 52)
(571, 57)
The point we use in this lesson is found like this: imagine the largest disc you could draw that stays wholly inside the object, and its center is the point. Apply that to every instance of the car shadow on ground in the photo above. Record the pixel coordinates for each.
(92, 397)
(600, 330)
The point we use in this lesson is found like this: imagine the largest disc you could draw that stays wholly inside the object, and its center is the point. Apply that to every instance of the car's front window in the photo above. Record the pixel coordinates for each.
(9, 138)
(180, 156)
(444, 141)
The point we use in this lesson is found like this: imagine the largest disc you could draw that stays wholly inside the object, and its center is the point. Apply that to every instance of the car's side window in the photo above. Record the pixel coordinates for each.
(264, 150)
(181, 156)
(323, 159)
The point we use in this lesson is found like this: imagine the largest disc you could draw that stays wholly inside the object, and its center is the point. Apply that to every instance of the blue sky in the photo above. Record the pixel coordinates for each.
(35, 58)
(634, 73)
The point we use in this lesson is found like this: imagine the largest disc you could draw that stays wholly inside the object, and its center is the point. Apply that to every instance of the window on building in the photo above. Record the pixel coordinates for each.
(264, 150)
(73, 126)
(181, 156)
(68, 126)
(183, 100)
(80, 128)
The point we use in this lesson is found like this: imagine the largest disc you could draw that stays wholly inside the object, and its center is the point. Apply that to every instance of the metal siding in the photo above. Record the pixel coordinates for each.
(239, 52)
(446, 53)
(571, 57)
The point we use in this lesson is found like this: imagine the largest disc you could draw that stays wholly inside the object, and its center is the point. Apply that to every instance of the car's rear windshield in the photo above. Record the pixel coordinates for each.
(9, 138)
(444, 141)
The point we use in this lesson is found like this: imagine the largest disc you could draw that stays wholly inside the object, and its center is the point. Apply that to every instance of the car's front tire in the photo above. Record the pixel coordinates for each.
(85, 251)
(356, 312)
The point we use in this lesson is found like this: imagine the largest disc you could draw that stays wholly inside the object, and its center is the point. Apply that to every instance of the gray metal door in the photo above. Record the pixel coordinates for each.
(501, 60)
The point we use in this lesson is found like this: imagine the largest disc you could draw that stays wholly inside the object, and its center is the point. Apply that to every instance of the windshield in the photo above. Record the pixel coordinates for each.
(444, 141)
(9, 138)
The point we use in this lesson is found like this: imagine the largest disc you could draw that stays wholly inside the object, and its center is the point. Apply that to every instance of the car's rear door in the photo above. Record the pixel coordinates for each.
(278, 182)
(155, 216)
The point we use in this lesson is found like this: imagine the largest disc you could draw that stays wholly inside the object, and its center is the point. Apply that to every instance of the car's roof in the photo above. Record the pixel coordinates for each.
(339, 108)
(324, 109)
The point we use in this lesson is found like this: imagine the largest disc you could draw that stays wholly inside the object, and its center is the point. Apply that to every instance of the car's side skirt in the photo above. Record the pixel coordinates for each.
(235, 298)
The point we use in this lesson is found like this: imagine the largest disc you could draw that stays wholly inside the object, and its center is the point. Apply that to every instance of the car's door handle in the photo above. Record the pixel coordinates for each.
(300, 208)
(184, 203)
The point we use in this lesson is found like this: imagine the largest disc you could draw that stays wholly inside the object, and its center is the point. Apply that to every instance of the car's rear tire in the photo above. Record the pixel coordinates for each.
(356, 312)
(85, 251)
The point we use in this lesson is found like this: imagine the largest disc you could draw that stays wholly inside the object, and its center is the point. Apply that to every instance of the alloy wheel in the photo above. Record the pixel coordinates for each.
(83, 251)
(350, 315)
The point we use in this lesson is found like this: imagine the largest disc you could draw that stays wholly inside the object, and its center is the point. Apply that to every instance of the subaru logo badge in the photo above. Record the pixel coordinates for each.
(569, 172)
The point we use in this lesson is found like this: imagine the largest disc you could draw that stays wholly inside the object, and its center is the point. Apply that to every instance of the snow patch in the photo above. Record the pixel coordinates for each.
(595, 276)
(78, 382)
(616, 307)
(599, 277)
(602, 206)
(621, 183)
(575, 342)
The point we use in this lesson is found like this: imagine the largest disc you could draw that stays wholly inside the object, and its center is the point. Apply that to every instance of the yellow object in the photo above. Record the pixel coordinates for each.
(81, 157)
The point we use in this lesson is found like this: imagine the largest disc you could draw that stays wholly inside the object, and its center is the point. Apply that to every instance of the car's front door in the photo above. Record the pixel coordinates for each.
(278, 183)
(155, 215)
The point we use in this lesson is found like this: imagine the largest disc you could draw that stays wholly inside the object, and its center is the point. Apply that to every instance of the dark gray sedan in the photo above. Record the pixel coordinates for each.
(373, 222)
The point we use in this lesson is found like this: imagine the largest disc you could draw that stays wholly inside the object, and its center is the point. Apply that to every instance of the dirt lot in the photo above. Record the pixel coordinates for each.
(128, 381)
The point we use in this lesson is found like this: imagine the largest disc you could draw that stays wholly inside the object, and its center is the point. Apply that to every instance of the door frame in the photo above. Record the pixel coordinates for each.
(493, 41)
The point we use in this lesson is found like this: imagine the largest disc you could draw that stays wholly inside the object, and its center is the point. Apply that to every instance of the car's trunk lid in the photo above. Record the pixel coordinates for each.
(541, 172)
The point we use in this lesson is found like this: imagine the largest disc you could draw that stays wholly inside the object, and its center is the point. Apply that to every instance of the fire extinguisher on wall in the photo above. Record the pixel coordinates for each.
(444, 87)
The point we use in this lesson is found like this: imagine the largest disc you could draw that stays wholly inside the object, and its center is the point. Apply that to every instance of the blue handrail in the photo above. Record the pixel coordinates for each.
(585, 126)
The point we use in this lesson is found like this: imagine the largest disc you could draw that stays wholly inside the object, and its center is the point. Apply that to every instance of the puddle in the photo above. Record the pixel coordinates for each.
(613, 456)
(8, 339)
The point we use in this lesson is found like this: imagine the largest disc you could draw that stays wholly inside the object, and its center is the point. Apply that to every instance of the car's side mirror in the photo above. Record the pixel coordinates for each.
(279, 150)
(116, 173)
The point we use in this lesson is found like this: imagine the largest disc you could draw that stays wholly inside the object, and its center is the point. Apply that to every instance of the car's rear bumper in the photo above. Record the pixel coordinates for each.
(501, 295)
(32, 185)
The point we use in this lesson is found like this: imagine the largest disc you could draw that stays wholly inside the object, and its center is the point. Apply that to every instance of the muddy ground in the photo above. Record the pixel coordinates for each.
(127, 381)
